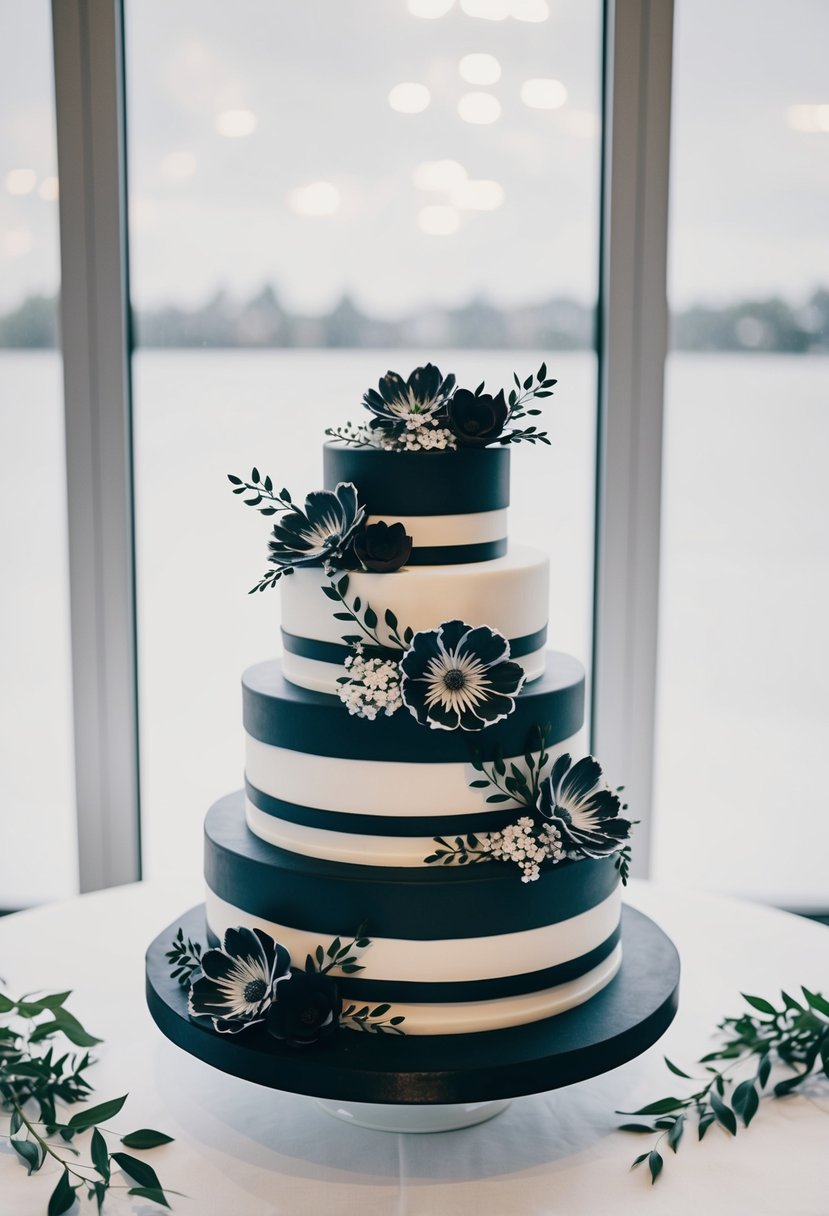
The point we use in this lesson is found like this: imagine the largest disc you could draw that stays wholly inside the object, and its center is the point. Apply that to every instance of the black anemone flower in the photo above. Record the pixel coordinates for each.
(321, 533)
(459, 676)
(402, 403)
(306, 1008)
(577, 800)
(239, 980)
(477, 419)
(382, 548)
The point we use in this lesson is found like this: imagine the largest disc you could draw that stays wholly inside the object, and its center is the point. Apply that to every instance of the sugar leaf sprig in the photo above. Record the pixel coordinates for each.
(263, 492)
(538, 386)
(36, 1074)
(184, 958)
(795, 1035)
(338, 956)
(360, 613)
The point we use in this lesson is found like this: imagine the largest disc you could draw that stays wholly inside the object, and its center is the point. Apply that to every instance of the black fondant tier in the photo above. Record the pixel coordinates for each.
(422, 483)
(284, 715)
(423, 903)
(620, 1022)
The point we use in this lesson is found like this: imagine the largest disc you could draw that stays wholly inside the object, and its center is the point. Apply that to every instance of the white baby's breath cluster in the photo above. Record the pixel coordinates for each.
(519, 842)
(417, 438)
(372, 686)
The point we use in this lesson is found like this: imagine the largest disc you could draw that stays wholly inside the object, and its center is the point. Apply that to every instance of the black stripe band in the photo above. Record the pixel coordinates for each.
(407, 991)
(463, 482)
(282, 714)
(381, 825)
(457, 555)
(422, 903)
(335, 652)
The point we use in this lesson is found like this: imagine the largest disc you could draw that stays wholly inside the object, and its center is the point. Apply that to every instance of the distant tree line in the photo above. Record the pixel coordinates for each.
(559, 324)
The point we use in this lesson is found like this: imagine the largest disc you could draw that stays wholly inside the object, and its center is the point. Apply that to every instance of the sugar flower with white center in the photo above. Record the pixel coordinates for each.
(371, 687)
(582, 808)
(322, 534)
(239, 980)
(459, 676)
(403, 403)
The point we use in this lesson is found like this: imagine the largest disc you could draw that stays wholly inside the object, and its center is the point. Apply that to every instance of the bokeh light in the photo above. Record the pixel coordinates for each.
(479, 69)
(479, 108)
(445, 175)
(810, 118)
(487, 10)
(430, 8)
(409, 97)
(20, 181)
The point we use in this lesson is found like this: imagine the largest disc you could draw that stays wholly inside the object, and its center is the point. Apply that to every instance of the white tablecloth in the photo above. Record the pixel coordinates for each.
(244, 1151)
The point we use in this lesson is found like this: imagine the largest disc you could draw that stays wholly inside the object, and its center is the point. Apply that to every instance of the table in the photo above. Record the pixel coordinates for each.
(242, 1150)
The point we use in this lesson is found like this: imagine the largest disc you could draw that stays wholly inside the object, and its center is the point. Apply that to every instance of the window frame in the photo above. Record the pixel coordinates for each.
(632, 329)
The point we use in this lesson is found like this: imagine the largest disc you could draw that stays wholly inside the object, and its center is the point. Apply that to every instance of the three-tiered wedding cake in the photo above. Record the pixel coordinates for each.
(408, 760)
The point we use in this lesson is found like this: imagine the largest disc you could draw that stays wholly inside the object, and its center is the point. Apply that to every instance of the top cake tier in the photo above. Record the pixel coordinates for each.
(452, 504)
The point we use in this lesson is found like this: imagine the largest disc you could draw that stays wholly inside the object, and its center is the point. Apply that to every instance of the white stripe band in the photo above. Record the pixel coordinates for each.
(448, 959)
(345, 846)
(428, 530)
(373, 787)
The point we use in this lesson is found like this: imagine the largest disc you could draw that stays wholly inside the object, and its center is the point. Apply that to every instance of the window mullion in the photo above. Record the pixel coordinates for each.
(88, 51)
(634, 335)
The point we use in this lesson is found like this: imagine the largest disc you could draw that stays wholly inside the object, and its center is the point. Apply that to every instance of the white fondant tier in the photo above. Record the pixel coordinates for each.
(509, 594)
(466, 959)
(373, 787)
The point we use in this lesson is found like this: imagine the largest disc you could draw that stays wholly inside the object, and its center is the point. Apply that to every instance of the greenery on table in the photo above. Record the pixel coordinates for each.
(795, 1035)
(37, 1074)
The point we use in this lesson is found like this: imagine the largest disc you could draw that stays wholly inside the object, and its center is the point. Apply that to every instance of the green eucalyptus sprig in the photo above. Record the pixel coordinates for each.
(35, 1078)
(184, 958)
(795, 1035)
(365, 618)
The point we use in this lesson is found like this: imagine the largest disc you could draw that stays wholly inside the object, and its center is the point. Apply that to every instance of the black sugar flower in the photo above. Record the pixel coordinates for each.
(459, 676)
(239, 980)
(305, 1009)
(382, 548)
(477, 419)
(322, 533)
(578, 802)
(409, 403)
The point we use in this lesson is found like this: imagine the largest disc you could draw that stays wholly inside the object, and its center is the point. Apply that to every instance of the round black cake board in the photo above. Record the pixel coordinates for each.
(617, 1024)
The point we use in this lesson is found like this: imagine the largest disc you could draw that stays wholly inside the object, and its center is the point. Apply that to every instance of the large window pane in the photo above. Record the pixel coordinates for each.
(303, 211)
(37, 802)
(744, 658)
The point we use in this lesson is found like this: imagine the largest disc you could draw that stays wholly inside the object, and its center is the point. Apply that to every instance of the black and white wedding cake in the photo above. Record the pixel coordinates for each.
(421, 846)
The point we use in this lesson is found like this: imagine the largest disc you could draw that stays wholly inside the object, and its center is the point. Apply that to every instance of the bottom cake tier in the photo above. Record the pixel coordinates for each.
(453, 950)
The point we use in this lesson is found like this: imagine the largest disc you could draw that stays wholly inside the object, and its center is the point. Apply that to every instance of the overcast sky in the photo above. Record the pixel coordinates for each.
(269, 142)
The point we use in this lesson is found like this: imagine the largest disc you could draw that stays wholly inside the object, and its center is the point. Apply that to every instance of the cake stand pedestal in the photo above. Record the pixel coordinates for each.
(439, 1082)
